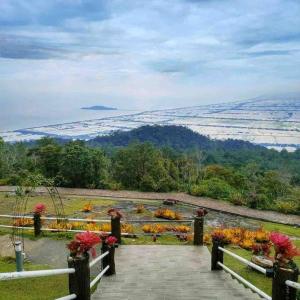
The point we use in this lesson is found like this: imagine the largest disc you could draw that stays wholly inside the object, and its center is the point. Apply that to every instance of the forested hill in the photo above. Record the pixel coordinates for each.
(176, 137)
(160, 159)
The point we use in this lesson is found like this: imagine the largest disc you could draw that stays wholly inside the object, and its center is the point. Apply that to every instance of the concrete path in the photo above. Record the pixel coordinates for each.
(44, 251)
(168, 272)
(212, 204)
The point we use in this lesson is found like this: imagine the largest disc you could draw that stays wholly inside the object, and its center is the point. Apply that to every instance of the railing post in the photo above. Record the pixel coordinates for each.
(198, 231)
(19, 256)
(79, 282)
(280, 291)
(216, 255)
(116, 228)
(108, 260)
(37, 223)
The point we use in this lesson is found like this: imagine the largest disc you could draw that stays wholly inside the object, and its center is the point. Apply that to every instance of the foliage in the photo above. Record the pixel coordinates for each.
(111, 241)
(182, 230)
(242, 237)
(84, 242)
(23, 222)
(214, 188)
(88, 207)
(285, 250)
(160, 159)
(140, 208)
(168, 214)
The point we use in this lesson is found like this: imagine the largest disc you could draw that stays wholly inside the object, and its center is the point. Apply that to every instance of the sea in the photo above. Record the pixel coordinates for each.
(14, 120)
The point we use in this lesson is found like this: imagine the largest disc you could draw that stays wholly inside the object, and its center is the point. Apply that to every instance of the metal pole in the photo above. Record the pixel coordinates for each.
(19, 256)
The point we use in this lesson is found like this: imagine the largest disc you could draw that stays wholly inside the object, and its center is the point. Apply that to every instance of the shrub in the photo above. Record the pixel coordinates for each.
(287, 207)
(257, 200)
(140, 208)
(214, 188)
(167, 214)
(148, 184)
(153, 228)
(4, 181)
(237, 199)
(14, 180)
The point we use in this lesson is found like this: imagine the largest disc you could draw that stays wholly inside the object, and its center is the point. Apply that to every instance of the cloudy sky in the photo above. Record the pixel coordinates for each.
(145, 54)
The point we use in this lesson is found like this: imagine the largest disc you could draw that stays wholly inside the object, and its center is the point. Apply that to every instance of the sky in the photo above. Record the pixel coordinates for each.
(144, 54)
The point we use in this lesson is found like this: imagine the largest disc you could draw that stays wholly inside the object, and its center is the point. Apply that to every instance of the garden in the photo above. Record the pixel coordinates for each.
(144, 222)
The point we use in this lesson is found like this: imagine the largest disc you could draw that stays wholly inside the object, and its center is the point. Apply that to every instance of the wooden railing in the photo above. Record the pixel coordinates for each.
(284, 285)
(79, 274)
(197, 224)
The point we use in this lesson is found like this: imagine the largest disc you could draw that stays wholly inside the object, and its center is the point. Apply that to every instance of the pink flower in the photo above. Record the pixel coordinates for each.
(284, 247)
(40, 208)
(261, 249)
(111, 241)
(84, 242)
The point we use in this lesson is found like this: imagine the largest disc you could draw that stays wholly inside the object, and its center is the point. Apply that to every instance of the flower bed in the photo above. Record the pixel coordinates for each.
(238, 236)
(168, 214)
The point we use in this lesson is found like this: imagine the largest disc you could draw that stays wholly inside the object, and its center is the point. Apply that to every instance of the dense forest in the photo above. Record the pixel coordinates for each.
(161, 159)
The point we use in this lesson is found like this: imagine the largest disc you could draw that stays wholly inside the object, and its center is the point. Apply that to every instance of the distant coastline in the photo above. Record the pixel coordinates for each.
(99, 107)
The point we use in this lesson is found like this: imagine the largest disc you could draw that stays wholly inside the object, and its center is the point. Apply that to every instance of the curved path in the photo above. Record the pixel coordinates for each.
(168, 273)
(212, 204)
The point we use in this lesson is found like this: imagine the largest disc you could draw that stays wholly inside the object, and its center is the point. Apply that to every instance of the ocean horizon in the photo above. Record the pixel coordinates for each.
(15, 120)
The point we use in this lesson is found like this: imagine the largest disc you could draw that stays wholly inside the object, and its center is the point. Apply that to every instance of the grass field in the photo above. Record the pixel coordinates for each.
(42, 288)
(256, 278)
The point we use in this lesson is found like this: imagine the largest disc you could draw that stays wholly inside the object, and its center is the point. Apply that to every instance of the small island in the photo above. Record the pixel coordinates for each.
(99, 107)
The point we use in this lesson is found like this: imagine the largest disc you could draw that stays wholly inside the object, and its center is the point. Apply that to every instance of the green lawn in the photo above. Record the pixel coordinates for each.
(72, 204)
(285, 229)
(42, 288)
(256, 278)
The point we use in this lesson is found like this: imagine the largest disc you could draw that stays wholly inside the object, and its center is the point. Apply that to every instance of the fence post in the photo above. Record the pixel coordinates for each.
(280, 291)
(116, 228)
(79, 282)
(37, 223)
(198, 231)
(108, 260)
(19, 256)
(216, 255)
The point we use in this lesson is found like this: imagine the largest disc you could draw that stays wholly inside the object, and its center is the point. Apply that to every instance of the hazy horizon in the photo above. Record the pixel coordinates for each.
(57, 56)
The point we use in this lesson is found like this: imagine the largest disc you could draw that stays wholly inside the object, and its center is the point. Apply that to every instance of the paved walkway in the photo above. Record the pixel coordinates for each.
(43, 251)
(212, 204)
(168, 272)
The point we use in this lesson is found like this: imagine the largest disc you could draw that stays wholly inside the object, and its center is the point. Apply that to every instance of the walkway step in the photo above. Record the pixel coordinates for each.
(168, 272)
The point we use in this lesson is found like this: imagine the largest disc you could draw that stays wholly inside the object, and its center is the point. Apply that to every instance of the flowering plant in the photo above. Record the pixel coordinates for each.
(168, 214)
(263, 249)
(114, 213)
(88, 207)
(111, 241)
(39, 208)
(201, 212)
(285, 250)
(83, 243)
(218, 235)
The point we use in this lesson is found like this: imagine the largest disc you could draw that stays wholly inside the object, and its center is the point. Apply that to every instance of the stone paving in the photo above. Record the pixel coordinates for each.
(168, 272)
(212, 204)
